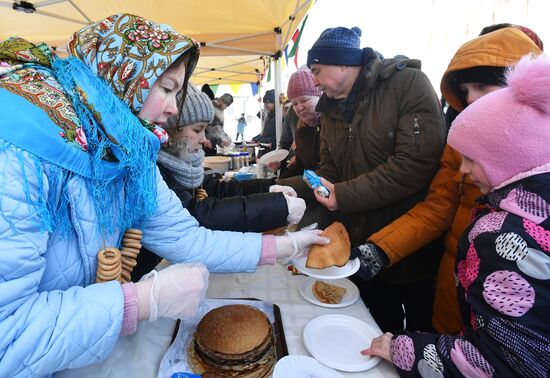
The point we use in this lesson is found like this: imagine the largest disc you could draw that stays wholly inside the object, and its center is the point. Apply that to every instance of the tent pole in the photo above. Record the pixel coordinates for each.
(278, 108)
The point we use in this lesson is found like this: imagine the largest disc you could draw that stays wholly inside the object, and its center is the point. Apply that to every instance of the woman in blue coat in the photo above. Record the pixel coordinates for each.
(78, 145)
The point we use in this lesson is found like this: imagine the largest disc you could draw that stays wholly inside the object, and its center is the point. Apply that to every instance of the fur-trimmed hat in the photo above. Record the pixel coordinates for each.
(507, 131)
(301, 84)
(337, 47)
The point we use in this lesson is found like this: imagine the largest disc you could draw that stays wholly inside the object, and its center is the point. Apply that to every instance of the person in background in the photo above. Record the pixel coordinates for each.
(267, 136)
(208, 91)
(215, 134)
(476, 69)
(215, 204)
(283, 102)
(382, 133)
(80, 169)
(503, 259)
(290, 120)
(304, 96)
(286, 141)
(241, 124)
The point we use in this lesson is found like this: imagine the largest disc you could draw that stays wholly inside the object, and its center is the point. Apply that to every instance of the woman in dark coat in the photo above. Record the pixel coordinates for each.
(248, 206)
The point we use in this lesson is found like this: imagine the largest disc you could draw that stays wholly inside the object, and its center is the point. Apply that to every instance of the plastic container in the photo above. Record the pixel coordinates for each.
(243, 176)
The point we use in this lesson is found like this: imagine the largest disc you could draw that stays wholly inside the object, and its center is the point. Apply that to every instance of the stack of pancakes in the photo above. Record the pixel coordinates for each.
(233, 341)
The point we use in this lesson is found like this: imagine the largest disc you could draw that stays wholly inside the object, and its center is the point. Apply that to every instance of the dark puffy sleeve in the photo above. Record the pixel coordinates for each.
(221, 188)
(254, 212)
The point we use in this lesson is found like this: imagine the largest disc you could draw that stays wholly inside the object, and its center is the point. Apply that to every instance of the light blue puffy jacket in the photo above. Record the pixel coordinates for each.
(52, 315)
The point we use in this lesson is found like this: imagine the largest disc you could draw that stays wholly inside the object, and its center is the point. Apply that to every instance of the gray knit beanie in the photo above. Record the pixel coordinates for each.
(226, 98)
(196, 108)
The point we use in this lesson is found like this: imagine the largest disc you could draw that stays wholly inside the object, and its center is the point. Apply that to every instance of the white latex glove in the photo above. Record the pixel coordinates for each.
(174, 292)
(295, 244)
(296, 208)
(283, 189)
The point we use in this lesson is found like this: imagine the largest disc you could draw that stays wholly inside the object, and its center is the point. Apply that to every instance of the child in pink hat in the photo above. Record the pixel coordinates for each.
(503, 260)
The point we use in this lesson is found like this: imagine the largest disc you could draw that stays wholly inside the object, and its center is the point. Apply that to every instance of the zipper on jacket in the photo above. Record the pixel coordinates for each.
(349, 131)
(416, 129)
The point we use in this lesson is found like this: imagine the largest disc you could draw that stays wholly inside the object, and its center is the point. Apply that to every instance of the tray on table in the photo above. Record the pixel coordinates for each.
(175, 357)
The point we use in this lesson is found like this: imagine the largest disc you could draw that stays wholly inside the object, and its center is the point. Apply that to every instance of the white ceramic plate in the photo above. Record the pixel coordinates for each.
(337, 341)
(351, 296)
(330, 273)
(276, 155)
(303, 366)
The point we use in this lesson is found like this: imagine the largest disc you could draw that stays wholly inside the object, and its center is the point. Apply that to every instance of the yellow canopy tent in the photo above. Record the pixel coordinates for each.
(239, 38)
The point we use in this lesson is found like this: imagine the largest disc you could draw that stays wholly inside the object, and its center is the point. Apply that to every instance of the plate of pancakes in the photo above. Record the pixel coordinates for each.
(330, 273)
(330, 261)
(332, 294)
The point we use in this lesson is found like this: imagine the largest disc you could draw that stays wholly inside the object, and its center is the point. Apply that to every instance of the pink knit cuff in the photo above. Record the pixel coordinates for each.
(130, 319)
(269, 255)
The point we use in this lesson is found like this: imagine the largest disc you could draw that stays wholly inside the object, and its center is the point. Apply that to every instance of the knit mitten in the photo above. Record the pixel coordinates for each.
(372, 259)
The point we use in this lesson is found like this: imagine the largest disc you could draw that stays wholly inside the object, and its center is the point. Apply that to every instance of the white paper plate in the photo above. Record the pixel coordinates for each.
(351, 296)
(337, 341)
(330, 273)
(303, 366)
(276, 155)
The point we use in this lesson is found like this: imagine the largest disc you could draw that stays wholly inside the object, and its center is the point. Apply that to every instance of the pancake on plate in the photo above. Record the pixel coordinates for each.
(328, 293)
(233, 341)
(336, 252)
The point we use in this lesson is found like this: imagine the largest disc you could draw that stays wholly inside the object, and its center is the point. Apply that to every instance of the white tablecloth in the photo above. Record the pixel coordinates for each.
(139, 355)
(276, 284)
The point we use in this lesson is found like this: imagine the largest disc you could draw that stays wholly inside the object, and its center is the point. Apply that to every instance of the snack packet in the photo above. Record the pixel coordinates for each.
(314, 182)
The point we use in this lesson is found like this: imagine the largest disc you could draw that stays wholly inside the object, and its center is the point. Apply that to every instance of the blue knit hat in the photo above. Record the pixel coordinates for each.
(269, 97)
(337, 47)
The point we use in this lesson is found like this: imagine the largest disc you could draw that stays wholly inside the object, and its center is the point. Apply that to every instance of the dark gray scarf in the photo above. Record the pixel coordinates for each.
(187, 172)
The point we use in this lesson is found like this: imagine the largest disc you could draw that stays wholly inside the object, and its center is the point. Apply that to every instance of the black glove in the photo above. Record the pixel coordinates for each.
(372, 259)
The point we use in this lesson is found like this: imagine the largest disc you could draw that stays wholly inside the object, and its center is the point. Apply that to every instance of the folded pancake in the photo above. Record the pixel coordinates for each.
(336, 252)
(233, 341)
(328, 293)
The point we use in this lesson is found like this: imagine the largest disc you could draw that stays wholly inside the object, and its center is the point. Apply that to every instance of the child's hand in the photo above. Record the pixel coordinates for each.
(380, 346)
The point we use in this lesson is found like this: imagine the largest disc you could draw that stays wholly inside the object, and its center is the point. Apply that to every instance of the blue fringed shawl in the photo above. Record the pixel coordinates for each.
(123, 191)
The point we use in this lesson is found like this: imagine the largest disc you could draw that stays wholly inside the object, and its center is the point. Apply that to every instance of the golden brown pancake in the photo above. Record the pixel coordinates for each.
(336, 252)
(328, 293)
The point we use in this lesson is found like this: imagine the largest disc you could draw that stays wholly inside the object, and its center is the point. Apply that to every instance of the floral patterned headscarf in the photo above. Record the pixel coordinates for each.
(131, 53)
(80, 114)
